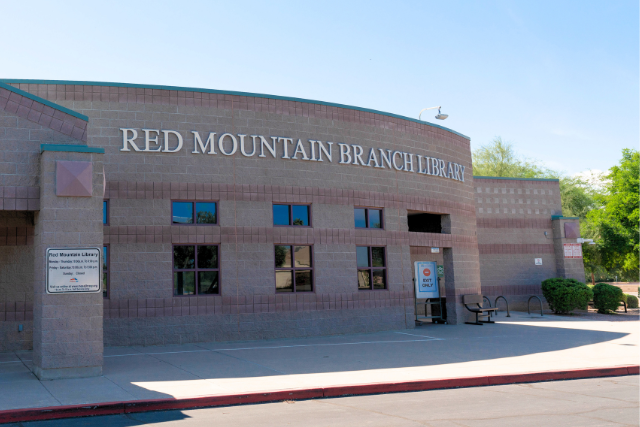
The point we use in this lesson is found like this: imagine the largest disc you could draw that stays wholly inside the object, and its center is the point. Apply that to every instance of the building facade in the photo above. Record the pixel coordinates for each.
(231, 216)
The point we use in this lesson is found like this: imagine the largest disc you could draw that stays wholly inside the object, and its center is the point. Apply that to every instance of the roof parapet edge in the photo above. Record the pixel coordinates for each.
(228, 92)
(71, 148)
(53, 105)
(516, 179)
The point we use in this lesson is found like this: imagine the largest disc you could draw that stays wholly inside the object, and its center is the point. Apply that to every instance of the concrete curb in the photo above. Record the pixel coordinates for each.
(133, 406)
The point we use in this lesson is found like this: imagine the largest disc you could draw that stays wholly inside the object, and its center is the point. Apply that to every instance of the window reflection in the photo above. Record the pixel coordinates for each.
(300, 215)
(375, 218)
(280, 214)
(206, 213)
(182, 213)
(294, 268)
(360, 216)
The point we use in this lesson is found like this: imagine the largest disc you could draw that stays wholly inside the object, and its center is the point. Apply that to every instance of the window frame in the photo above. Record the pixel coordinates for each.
(291, 205)
(293, 269)
(195, 270)
(107, 263)
(193, 212)
(105, 205)
(366, 217)
(371, 268)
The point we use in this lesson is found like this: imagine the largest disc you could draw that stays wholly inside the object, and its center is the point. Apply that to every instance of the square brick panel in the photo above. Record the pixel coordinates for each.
(74, 179)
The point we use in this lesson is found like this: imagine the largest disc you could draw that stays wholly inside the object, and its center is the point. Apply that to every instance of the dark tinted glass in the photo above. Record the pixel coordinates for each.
(375, 218)
(184, 282)
(105, 207)
(378, 279)
(182, 213)
(283, 256)
(105, 257)
(183, 257)
(300, 215)
(207, 282)
(302, 256)
(104, 284)
(280, 214)
(284, 281)
(206, 213)
(303, 281)
(362, 254)
(377, 257)
(364, 281)
(361, 220)
(207, 257)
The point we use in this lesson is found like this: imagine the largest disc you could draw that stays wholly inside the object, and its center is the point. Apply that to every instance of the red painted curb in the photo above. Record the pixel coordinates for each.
(114, 408)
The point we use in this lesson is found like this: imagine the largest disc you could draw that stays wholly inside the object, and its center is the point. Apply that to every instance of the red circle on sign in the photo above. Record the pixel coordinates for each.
(426, 272)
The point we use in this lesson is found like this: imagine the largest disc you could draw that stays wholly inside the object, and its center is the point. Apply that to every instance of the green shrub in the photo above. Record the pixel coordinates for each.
(564, 295)
(606, 298)
(632, 301)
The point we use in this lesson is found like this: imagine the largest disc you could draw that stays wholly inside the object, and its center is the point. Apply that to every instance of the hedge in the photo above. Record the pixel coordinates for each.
(565, 295)
(607, 298)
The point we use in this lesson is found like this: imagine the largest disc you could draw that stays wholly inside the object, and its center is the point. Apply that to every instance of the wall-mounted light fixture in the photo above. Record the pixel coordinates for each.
(440, 116)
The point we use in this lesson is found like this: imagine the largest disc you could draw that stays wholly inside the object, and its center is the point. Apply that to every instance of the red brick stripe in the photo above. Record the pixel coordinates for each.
(43, 115)
(288, 235)
(544, 223)
(498, 249)
(16, 236)
(19, 198)
(282, 194)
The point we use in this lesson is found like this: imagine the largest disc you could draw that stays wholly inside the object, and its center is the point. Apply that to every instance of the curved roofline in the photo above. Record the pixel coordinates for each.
(226, 92)
(516, 179)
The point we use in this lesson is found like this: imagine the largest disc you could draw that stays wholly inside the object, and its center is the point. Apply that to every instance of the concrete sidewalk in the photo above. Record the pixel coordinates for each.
(514, 345)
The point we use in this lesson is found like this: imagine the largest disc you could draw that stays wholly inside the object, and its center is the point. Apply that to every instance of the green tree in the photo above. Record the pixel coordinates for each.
(615, 224)
(498, 158)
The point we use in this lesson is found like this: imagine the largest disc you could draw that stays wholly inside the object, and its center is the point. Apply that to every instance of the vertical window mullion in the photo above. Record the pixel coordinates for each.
(195, 254)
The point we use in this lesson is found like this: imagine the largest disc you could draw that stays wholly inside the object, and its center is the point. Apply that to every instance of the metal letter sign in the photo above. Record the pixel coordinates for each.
(73, 270)
(426, 279)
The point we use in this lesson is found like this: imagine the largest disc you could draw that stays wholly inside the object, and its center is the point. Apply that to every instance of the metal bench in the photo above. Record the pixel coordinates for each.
(470, 300)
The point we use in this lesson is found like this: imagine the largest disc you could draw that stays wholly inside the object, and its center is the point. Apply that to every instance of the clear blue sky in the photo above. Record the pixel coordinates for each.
(559, 79)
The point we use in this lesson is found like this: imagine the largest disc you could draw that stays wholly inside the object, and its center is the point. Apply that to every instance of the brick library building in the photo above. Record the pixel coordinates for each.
(148, 215)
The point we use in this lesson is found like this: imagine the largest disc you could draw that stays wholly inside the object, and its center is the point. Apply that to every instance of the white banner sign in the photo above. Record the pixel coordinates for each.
(426, 279)
(572, 250)
(73, 270)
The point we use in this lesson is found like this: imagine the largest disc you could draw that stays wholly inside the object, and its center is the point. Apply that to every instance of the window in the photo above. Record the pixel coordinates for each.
(372, 271)
(105, 271)
(294, 268)
(205, 213)
(105, 212)
(425, 222)
(195, 270)
(291, 215)
(368, 218)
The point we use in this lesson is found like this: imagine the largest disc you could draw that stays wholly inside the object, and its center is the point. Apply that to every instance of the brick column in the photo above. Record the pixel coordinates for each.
(67, 336)
(568, 268)
(462, 272)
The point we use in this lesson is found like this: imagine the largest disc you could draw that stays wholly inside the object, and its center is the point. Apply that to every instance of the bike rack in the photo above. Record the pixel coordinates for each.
(529, 302)
(506, 302)
(488, 300)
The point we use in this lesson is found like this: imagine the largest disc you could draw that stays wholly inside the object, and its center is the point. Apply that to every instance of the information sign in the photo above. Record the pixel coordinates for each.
(73, 270)
(538, 261)
(441, 271)
(426, 280)
(572, 250)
